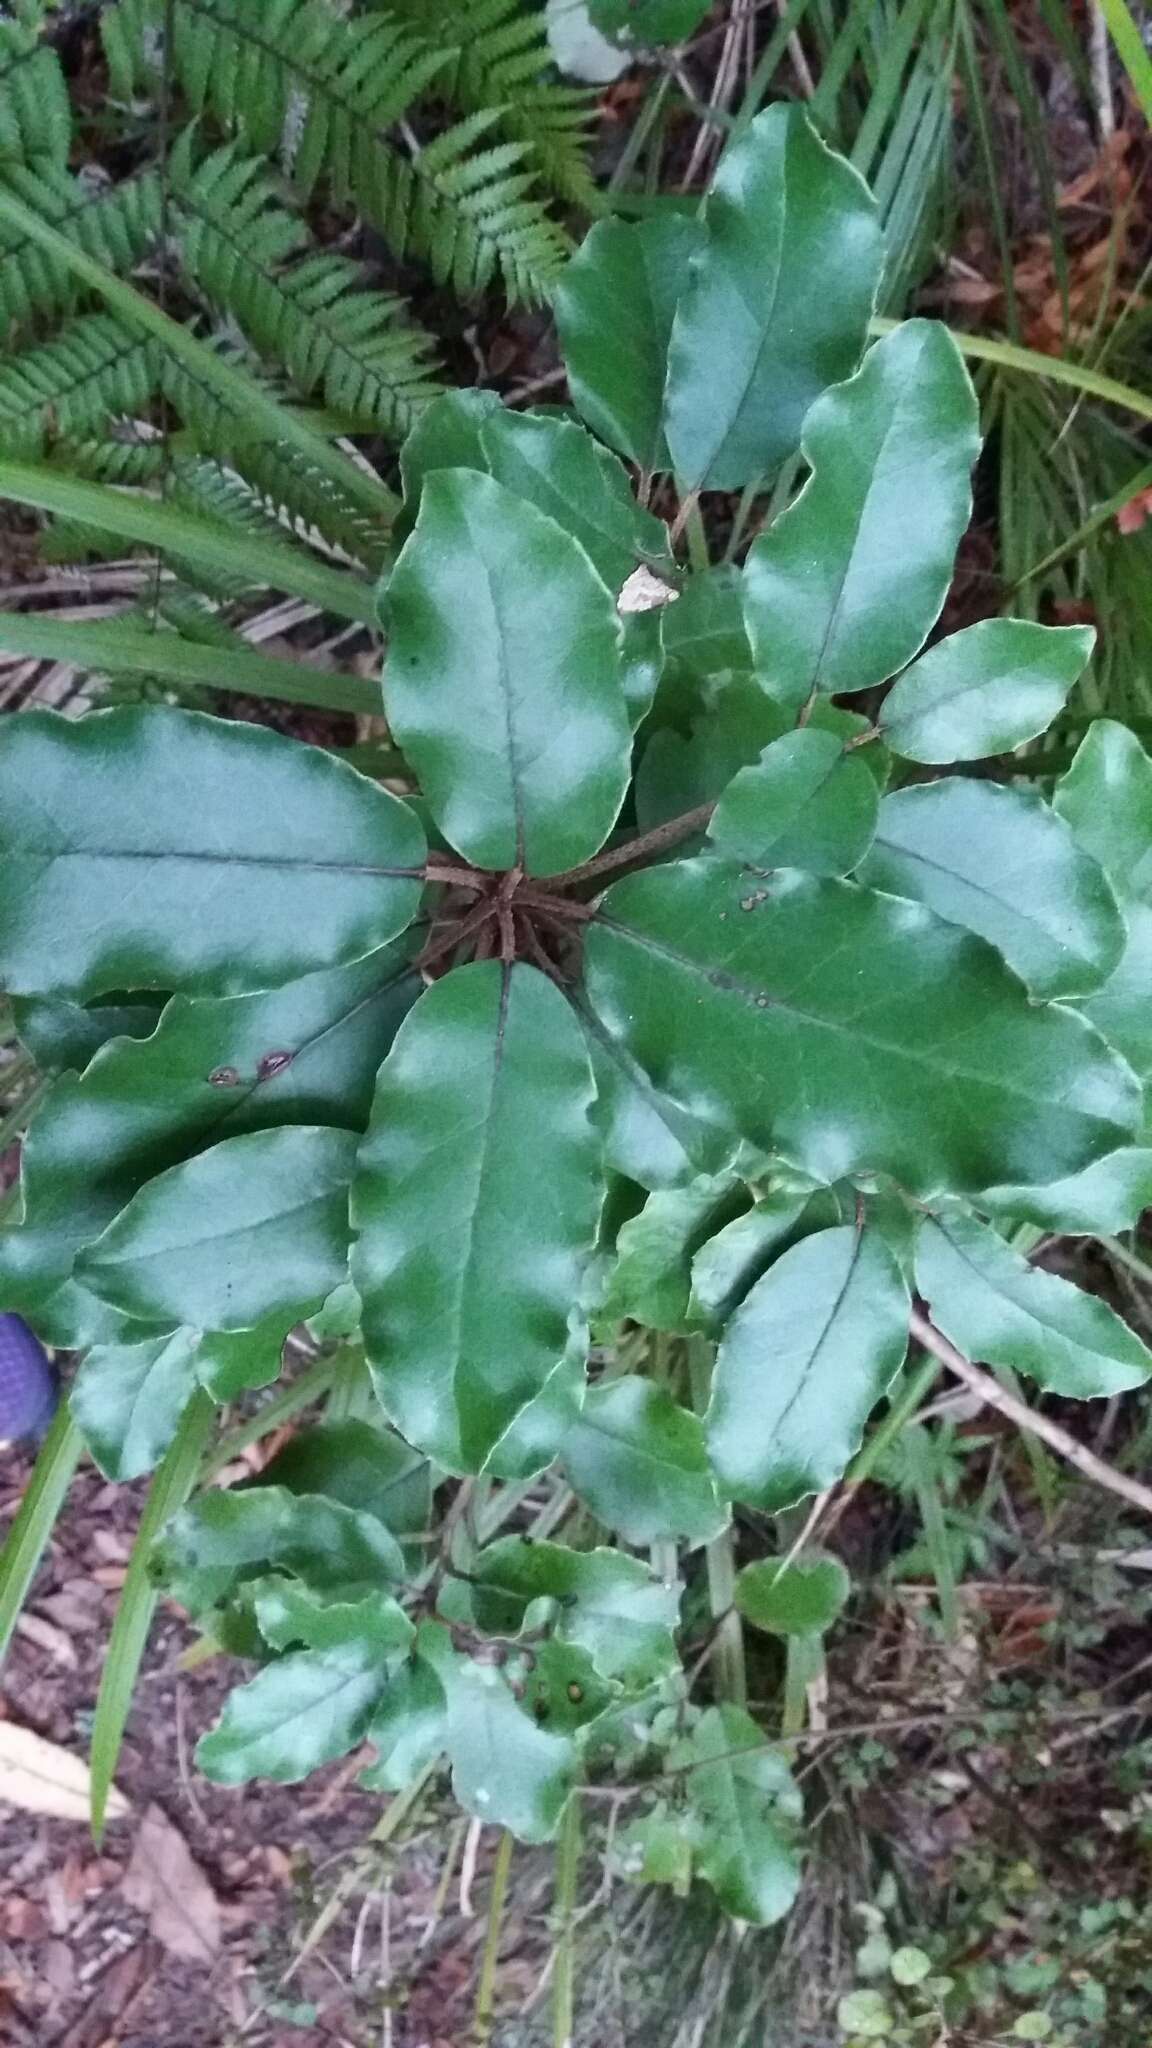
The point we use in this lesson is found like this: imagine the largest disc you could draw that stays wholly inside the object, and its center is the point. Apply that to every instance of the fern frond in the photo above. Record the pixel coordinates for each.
(94, 371)
(35, 117)
(311, 316)
(294, 79)
(109, 460)
(115, 225)
(502, 60)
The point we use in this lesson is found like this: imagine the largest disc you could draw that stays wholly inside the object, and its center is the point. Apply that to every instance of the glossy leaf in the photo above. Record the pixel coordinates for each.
(984, 690)
(472, 1234)
(799, 1598)
(361, 1467)
(63, 1036)
(1000, 862)
(805, 804)
(290, 1615)
(614, 305)
(611, 1605)
(849, 1031)
(563, 1690)
(997, 1307)
(128, 1400)
(646, 1135)
(844, 587)
(231, 1362)
(638, 1461)
(408, 1728)
(1121, 1008)
(734, 721)
(505, 1768)
(648, 21)
(1110, 1195)
(225, 1537)
(163, 849)
(802, 1364)
(746, 1807)
(724, 1268)
(299, 1713)
(650, 1282)
(255, 1227)
(552, 464)
(306, 1053)
(503, 683)
(1106, 797)
(776, 305)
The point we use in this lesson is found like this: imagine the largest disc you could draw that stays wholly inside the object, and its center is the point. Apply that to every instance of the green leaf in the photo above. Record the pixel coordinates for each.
(843, 589)
(805, 804)
(798, 1599)
(866, 2014)
(984, 690)
(614, 306)
(1121, 1009)
(306, 1053)
(409, 1727)
(1110, 1195)
(149, 848)
(550, 463)
(29, 1533)
(911, 1966)
(361, 1467)
(658, 1848)
(776, 305)
(225, 1537)
(128, 1638)
(63, 1036)
(802, 1364)
(849, 1031)
(231, 1362)
(1106, 797)
(473, 1235)
(651, 1280)
(611, 1605)
(562, 1689)
(128, 1400)
(638, 1461)
(299, 1713)
(291, 1616)
(995, 1306)
(505, 1769)
(734, 721)
(255, 1227)
(646, 1135)
(648, 21)
(725, 1267)
(504, 684)
(747, 1809)
(1000, 862)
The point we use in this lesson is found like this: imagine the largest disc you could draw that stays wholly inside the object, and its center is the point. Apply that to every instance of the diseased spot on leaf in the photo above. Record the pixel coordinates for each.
(575, 1693)
(273, 1063)
(224, 1077)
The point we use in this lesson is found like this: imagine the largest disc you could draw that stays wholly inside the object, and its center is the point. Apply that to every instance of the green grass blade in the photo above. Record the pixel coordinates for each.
(272, 422)
(1131, 51)
(126, 1644)
(983, 348)
(36, 1517)
(152, 525)
(126, 650)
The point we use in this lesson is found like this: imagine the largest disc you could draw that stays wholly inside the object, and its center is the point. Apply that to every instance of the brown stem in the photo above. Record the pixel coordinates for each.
(640, 850)
(995, 1396)
(554, 906)
(454, 938)
(455, 877)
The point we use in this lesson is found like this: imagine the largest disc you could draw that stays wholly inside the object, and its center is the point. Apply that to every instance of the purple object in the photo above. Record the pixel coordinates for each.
(28, 1389)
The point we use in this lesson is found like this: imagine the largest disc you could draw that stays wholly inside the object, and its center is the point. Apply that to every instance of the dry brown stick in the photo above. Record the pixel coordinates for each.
(994, 1396)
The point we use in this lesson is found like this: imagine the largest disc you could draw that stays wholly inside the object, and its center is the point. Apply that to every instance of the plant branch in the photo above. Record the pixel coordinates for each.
(995, 1396)
(647, 847)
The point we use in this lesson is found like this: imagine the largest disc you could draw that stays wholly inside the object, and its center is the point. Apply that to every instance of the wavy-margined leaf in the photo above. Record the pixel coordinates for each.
(211, 1069)
(223, 1538)
(505, 1768)
(726, 1265)
(550, 462)
(231, 1362)
(302, 1711)
(63, 1036)
(639, 1462)
(646, 1135)
(849, 1031)
(984, 690)
(1106, 797)
(1121, 1009)
(165, 849)
(797, 1598)
(614, 306)
(128, 1400)
(1000, 862)
(1111, 1194)
(290, 1615)
(610, 1604)
(361, 1466)
(651, 1280)
(802, 1364)
(776, 305)
(845, 586)
(996, 1306)
(804, 804)
(747, 1811)
(474, 1231)
(255, 1227)
(504, 684)
(409, 1726)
